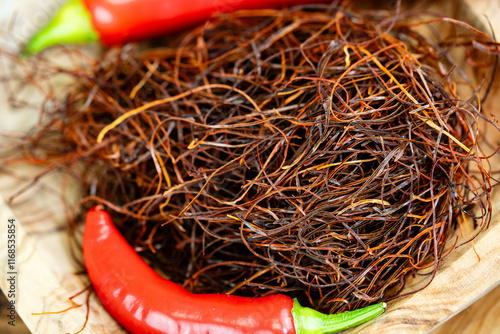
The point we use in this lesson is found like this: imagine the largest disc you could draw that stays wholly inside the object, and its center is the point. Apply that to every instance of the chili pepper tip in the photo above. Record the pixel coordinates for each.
(72, 24)
(98, 207)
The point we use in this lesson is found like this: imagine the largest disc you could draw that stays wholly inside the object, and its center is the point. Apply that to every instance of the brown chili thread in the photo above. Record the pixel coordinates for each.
(297, 151)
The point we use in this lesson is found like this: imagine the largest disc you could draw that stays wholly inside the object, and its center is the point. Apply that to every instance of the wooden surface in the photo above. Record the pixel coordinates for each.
(482, 317)
(48, 275)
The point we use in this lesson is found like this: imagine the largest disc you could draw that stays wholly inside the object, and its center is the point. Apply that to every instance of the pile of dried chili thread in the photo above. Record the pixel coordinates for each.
(314, 151)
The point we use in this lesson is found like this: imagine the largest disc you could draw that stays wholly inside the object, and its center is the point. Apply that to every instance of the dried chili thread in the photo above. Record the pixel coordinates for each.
(297, 151)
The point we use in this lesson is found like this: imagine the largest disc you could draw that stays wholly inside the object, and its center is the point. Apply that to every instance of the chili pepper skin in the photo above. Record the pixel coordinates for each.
(115, 22)
(144, 302)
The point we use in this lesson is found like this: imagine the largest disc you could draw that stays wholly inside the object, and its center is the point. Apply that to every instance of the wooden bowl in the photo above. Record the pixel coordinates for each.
(47, 274)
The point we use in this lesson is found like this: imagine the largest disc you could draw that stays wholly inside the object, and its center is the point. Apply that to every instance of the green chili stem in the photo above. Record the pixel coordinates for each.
(309, 321)
(72, 24)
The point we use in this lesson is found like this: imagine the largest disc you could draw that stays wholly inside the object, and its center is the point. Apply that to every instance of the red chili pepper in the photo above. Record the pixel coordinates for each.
(144, 302)
(115, 22)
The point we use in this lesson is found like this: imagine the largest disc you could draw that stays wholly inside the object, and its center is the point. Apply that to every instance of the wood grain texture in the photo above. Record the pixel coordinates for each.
(48, 275)
(6, 328)
(483, 317)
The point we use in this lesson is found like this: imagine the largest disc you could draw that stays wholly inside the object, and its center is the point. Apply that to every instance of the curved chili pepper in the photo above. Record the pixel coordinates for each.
(115, 22)
(144, 302)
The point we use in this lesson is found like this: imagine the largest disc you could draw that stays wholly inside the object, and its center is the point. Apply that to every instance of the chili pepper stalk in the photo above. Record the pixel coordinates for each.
(309, 321)
(72, 24)
(144, 302)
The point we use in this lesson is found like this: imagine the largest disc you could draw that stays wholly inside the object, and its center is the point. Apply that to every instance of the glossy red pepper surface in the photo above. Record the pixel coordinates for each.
(121, 21)
(144, 302)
